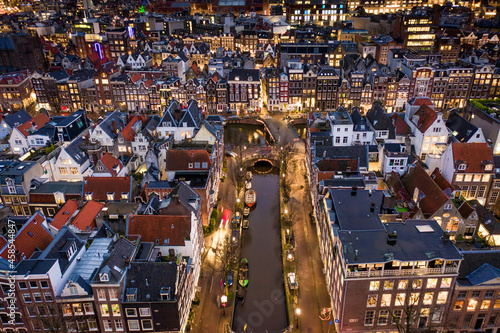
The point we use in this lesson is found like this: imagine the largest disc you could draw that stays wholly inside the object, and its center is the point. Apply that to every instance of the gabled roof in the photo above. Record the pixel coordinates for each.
(35, 123)
(483, 274)
(338, 164)
(85, 219)
(107, 124)
(474, 155)
(115, 266)
(379, 119)
(76, 152)
(443, 184)
(416, 101)
(32, 236)
(128, 132)
(400, 125)
(100, 186)
(172, 230)
(64, 214)
(432, 197)
(426, 117)
(18, 118)
(111, 163)
(179, 159)
(460, 128)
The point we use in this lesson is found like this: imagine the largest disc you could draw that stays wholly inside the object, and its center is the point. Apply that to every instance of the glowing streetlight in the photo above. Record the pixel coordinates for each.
(297, 312)
(238, 200)
(286, 211)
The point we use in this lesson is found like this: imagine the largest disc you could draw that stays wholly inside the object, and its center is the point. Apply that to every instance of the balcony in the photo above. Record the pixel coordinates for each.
(90, 146)
(402, 272)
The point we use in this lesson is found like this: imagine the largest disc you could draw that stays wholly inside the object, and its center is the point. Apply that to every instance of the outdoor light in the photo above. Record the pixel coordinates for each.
(290, 258)
(238, 200)
(286, 211)
(223, 300)
(283, 175)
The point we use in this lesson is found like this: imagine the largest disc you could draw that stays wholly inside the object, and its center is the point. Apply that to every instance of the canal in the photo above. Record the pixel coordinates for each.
(249, 135)
(264, 305)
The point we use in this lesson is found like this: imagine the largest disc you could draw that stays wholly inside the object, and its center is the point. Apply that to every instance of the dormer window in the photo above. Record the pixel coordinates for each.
(104, 277)
(165, 293)
(70, 252)
(131, 295)
(190, 165)
(124, 196)
(88, 196)
(110, 196)
(462, 166)
(488, 167)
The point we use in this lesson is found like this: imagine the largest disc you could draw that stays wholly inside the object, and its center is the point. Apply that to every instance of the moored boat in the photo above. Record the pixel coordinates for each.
(248, 185)
(245, 224)
(243, 273)
(249, 175)
(246, 211)
(250, 197)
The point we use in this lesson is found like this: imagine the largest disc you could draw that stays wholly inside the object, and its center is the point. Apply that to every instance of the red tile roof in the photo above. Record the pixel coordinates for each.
(110, 162)
(401, 126)
(93, 57)
(128, 132)
(101, 186)
(426, 117)
(136, 77)
(474, 155)
(443, 184)
(465, 209)
(434, 198)
(16, 78)
(3, 241)
(182, 159)
(421, 101)
(36, 122)
(32, 236)
(64, 214)
(85, 219)
(175, 228)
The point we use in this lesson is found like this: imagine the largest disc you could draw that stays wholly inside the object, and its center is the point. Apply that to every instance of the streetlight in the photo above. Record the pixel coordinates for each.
(238, 200)
(297, 312)
(286, 211)
(223, 300)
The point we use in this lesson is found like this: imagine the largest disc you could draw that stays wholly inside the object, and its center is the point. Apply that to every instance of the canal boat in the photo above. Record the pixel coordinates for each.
(246, 211)
(245, 224)
(250, 197)
(243, 273)
(249, 175)
(248, 185)
(236, 220)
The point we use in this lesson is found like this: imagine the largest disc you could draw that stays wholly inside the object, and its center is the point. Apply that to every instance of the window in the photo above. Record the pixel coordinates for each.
(31, 311)
(67, 310)
(48, 297)
(447, 207)
(77, 309)
(133, 325)
(493, 319)
(104, 309)
(417, 284)
(476, 294)
(33, 284)
(37, 297)
(383, 317)
(467, 320)
(131, 312)
(372, 300)
(89, 309)
(63, 171)
(471, 305)
(101, 294)
(396, 315)
(431, 283)
(485, 305)
(145, 312)
(374, 285)
(108, 325)
(442, 297)
(497, 304)
(386, 300)
(489, 294)
(110, 196)
(119, 325)
(428, 297)
(369, 315)
(388, 285)
(400, 299)
(27, 298)
(23, 285)
(414, 299)
(147, 324)
(446, 283)
(113, 294)
(403, 284)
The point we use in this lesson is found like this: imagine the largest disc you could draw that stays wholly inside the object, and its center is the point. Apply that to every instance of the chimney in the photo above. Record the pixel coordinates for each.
(388, 202)
(354, 189)
(113, 126)
(392, 237)
(408, 145)
(372, 207)
(446, 234)
(324, 153)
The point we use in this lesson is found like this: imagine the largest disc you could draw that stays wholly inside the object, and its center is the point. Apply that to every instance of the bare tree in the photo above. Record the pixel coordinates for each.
(55, 322)
(226, 256)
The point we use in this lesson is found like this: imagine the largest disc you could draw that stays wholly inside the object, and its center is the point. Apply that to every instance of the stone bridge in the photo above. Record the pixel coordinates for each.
(260, 154)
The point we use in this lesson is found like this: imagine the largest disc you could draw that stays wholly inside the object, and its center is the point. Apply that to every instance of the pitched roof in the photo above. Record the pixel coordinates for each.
(110, 163)
(443, 184)
(416, 101)
(401, 126)
(426, 117)
(465, 209)
(18, 118)
(64, 214)
(474, 155)
(36, 122)
(85, 219)
(180, 159)
(128, 132)
(433, 197)
(338, 164)
(31, 237)
(171, 230)
(460, 128)
(101, 186)
(76, 152)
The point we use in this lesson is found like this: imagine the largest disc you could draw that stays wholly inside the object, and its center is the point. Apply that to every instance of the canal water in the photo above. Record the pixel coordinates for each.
(250, 135)
(264, 305)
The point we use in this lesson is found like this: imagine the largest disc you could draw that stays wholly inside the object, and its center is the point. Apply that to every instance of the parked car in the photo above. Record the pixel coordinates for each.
(228, 281)
(292, 281)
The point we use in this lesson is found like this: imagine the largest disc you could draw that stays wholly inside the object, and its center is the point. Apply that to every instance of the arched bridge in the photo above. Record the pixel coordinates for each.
(254, 155)
(252, 121)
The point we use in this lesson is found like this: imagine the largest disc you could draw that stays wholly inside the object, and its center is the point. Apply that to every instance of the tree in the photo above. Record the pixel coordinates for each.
(225, 256)
(55, 322)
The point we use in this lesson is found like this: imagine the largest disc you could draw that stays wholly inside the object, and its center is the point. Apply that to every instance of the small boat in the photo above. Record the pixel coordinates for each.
(243, 273)
(245, 224)
(248, 185)
(236, 220)
(250, 197)
(246, 211)
(248, 175)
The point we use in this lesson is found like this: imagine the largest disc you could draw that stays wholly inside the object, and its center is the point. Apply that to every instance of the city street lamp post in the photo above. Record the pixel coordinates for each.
(297, 312)
(223, 300)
